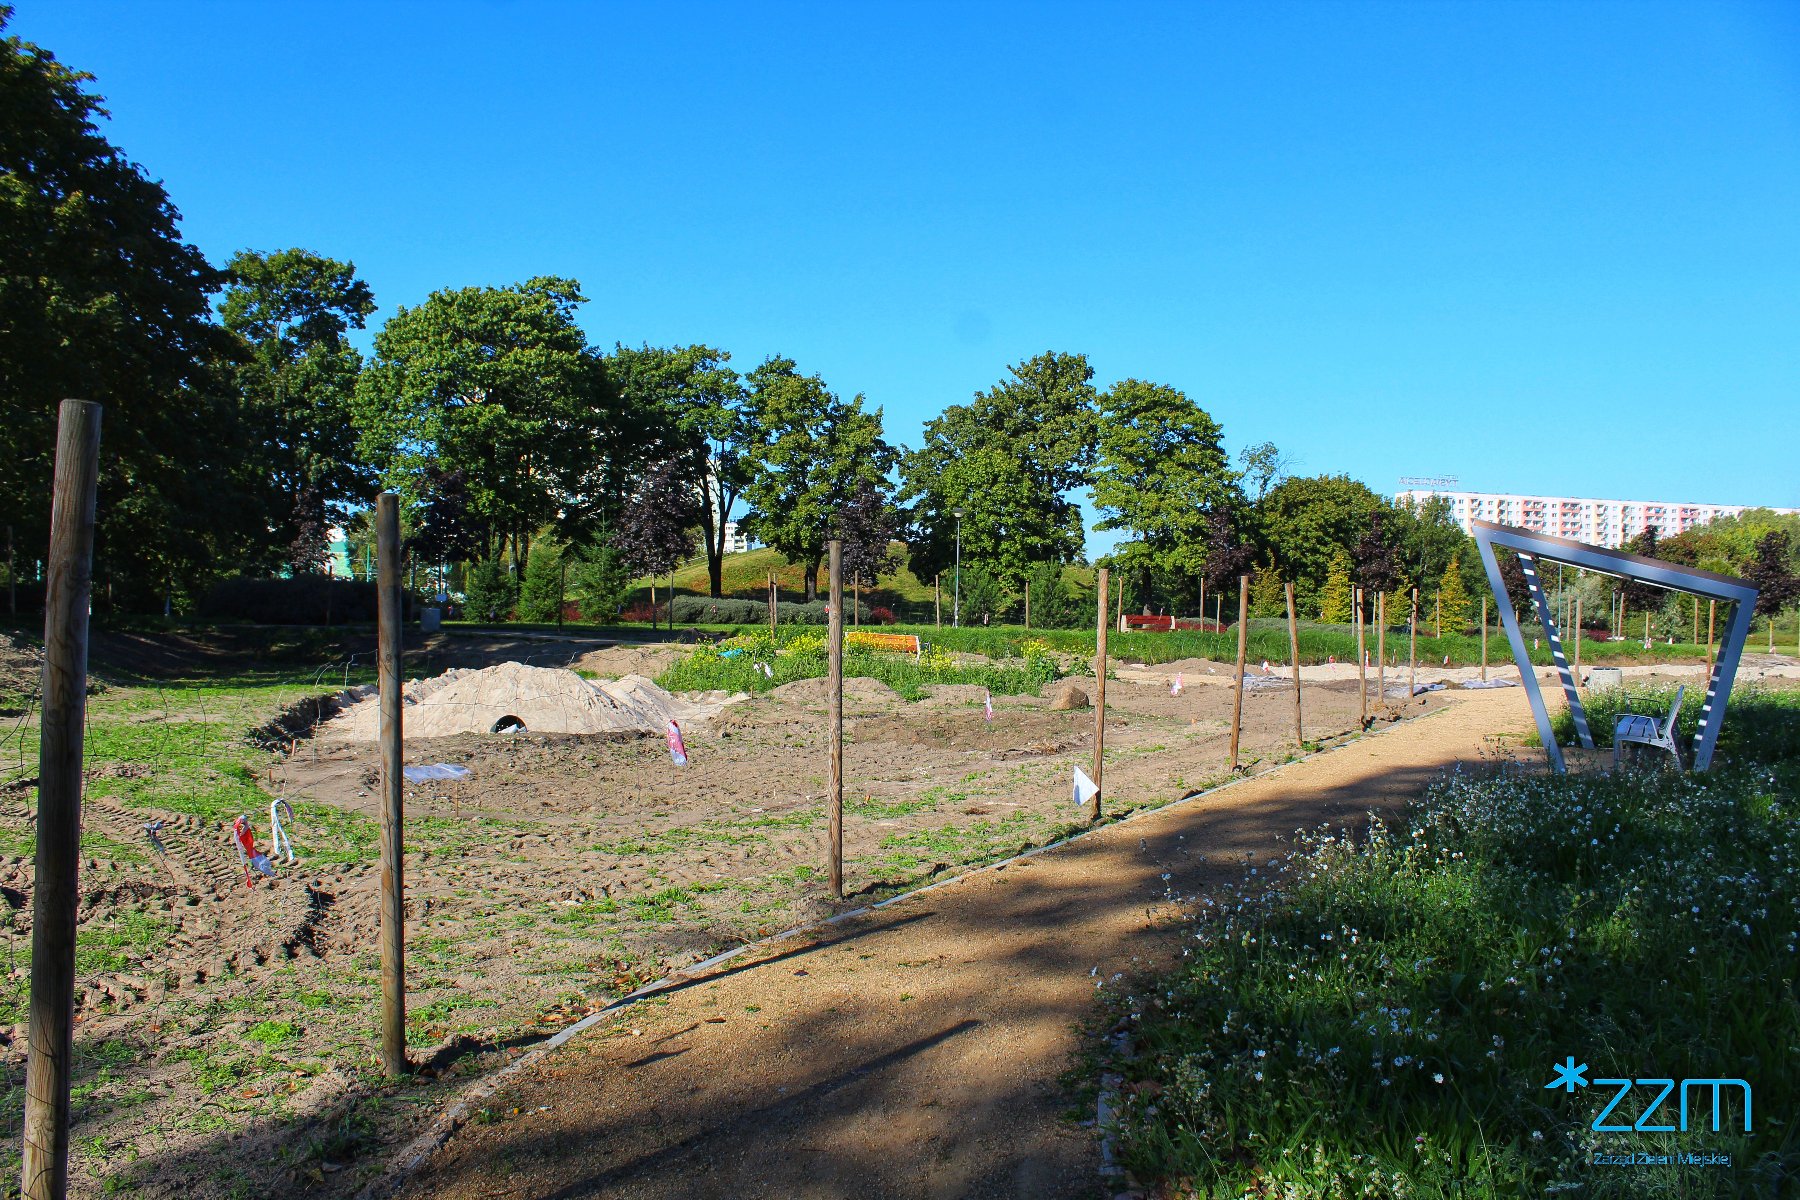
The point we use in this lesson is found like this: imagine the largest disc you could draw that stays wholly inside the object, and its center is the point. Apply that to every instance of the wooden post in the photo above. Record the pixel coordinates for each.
(1577, 663)
(1484, 604)
(1381, 646)
(1093, 809)
(562, 592)
(1696, 620)
(393, 784)
(1237, 694)
(1028, 604)
(12, 574)
(1362, 663)
(834, 717)
(652, 602)
(1294, 658)
(1122, 612)
(856, 599)
(1412, 653)
(1437, 613)
(937, 601)
(56, 894)
(1202, 604)
(774, 602)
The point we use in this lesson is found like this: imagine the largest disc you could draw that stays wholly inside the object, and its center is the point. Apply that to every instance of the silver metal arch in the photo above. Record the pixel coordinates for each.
(1533, 548)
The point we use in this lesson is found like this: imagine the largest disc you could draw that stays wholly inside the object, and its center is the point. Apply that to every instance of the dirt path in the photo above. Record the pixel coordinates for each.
(916, 1051)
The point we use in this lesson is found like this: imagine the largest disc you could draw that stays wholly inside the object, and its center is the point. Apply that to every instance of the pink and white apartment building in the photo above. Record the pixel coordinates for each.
(1608, 523)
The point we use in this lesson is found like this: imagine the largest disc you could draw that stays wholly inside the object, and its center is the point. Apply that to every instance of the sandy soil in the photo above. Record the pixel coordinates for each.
(917, 1051)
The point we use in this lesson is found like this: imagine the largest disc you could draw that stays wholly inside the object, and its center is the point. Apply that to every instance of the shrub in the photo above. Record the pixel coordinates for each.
(703, 610)
(881, 614)
(491, 591)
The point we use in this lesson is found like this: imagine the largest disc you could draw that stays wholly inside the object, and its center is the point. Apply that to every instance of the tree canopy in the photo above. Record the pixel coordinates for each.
(1161, 472)
(813, 452)
(1009, 459)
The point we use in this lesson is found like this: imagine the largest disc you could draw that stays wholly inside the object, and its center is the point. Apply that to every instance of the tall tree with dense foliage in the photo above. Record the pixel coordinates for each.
(868, 524)
(1427, 537)
(813, 452)
(1776, 584)
(1161, 470)
(1335, 599)
(1009, 459)
(292, 311)
(101, 299)
(1305, 520)
(1229, 555)
(656, 529)
(1453, 598)
(694, 390)
(499, 383)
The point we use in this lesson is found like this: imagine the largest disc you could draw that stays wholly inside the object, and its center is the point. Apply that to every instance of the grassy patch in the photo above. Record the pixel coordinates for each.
(753, 662)
(1384, 1021)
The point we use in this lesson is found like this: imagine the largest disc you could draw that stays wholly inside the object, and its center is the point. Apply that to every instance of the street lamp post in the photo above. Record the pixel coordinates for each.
(956, 600)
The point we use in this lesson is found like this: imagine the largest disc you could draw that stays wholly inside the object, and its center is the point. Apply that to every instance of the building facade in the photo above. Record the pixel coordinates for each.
(1609, 523)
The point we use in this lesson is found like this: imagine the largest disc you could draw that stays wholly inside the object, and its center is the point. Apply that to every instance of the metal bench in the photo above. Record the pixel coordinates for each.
(1635, 730)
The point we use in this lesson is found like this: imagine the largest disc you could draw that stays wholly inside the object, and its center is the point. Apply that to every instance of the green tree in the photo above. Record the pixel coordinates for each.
(1161, 471)
(1335, 601)
(542, 588)
(1426, 537)
(291, 311)
(701, 399)
(599, 581)
(1268, 596)
(1009, 460)
(101, 299)
(813, 453)
(1453, 598)
(490, 591)
(499, 383)
(1305, 520)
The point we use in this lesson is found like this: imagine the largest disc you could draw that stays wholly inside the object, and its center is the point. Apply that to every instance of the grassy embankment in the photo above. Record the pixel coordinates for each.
(1384, 1019)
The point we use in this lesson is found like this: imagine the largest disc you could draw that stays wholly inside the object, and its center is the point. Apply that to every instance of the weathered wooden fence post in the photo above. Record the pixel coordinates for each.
(1093, 809)
(56, 891)
(1294, 657)
(834, 716)
(393, 784)
(1237, 683)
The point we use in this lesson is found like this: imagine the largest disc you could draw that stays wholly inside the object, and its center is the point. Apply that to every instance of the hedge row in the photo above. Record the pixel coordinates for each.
(700, 610)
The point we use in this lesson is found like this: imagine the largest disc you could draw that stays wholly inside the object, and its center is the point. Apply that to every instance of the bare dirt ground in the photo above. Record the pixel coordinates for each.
(227, 1034)
(920, 1050)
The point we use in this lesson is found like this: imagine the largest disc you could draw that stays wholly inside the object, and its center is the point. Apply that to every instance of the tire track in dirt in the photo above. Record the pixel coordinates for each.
(915, 1051)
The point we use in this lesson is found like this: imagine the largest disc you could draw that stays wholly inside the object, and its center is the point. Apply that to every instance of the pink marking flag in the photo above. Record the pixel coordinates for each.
(987, 703)
(677, 747)
(1175, 688)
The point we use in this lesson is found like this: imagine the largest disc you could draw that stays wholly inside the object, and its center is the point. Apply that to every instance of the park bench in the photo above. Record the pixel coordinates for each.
(902, 643)
(1635, 730)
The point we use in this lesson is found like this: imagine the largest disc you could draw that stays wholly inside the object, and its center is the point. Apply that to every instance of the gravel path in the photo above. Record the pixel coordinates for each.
(918, 1051)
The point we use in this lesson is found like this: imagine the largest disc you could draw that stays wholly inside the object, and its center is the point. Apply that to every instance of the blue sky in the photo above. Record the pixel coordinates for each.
(1540, 247)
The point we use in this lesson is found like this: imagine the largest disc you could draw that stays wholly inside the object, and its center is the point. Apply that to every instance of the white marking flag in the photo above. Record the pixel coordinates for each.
(1085, 788)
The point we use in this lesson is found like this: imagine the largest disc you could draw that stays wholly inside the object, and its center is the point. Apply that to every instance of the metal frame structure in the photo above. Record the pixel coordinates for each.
(1533, 548)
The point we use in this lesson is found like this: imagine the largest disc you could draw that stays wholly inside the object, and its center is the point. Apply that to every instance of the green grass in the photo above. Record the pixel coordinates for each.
(1384, 1021)
(800, 654)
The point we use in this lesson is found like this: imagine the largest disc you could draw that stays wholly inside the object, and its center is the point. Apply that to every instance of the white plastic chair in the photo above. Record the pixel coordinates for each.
(1635, 730)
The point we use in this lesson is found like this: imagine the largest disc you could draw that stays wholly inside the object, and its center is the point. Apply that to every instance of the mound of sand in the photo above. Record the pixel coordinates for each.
(948, 694)
(542, 699)
(617, 661)
(812, 691)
